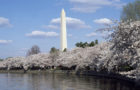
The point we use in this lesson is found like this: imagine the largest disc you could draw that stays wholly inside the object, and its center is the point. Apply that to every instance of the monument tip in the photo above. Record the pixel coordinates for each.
(63, 10)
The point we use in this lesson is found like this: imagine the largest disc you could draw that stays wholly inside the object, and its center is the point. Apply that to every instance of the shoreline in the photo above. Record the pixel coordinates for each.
(85, 73)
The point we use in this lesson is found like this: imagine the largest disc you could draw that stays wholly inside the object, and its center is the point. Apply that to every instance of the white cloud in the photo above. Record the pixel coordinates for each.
(72, 23)
(101, 34)
(105, 33)
(90, 6)
(4, 22)
(40, 34)
(91, 34)
(104, 21)
(92, 2)
(50, 27)
(55, 21)
(5, 41)
(87, 9)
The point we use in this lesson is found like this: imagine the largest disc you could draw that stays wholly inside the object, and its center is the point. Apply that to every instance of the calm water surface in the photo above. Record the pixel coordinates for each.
(42, 81)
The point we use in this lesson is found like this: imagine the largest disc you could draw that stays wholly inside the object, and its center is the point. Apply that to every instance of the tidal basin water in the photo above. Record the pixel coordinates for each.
(43, 81)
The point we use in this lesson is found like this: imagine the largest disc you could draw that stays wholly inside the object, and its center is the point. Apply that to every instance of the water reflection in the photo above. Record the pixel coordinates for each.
(42, 81)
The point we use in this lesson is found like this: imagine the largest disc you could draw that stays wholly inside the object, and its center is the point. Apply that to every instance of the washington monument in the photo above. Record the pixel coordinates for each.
(63, 35)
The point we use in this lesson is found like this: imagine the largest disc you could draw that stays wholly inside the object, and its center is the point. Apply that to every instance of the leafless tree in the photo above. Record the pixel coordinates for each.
(131, 11)
(34, 50)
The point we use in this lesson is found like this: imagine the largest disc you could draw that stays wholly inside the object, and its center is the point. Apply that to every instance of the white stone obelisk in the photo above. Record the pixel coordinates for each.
(63, 35)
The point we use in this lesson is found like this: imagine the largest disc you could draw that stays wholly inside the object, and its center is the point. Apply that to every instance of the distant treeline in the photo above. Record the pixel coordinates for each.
(86, 44)
(1, 59)
(35, 49)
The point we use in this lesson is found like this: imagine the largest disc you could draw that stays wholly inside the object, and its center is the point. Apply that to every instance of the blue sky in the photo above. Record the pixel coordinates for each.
(24, 23)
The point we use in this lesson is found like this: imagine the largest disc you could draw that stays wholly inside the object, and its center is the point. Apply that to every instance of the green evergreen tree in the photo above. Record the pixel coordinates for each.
(85, 45)
(81, 44)
(96, 41)
(77, 44)
(53, 50)
(1, 59)
(92, 44)
(65, 50)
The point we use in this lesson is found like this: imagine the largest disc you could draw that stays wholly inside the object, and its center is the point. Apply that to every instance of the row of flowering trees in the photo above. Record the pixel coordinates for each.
(120, 54)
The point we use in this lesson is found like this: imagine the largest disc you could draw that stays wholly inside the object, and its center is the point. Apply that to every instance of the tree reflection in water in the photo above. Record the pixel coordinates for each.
(43, 81)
